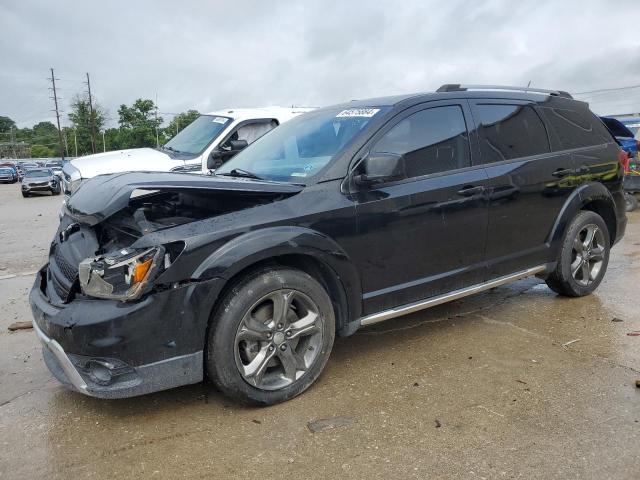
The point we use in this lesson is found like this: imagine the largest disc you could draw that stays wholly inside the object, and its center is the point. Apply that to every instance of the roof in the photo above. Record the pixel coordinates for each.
(473, 91)
(263, 112)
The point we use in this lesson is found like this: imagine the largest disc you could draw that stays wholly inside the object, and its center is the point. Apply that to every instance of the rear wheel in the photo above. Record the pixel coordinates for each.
(583, 258)
(271, 336)
(631, 202)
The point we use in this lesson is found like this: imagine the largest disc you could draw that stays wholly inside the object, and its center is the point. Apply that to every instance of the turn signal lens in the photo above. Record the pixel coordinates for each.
(140, 271)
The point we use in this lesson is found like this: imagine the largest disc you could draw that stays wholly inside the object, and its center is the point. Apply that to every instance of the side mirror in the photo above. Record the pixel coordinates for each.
(237, 145)
(379, 168)
(219, 156)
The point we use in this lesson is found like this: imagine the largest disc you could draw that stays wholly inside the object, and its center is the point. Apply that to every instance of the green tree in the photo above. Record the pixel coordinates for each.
(179, 122)
(81, 119)
(6, 124)
(138, 124)
(41, 151)
(46, 134)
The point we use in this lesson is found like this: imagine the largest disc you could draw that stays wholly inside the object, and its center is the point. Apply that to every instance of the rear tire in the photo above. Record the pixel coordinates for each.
(631, 202)
(583, 258)
(270, 337)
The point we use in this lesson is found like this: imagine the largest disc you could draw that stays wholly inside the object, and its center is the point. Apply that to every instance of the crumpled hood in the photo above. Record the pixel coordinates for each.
(132, 160)
(101, 197)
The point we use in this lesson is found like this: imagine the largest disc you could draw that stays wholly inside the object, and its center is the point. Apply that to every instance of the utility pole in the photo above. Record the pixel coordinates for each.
(157, 137)
(55, 102)
(75, 140)
(104, 145)
(92, 126)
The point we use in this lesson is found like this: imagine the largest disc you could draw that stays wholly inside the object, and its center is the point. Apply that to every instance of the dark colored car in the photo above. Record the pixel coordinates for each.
(8, 175)
(343, 217)
(40, 180)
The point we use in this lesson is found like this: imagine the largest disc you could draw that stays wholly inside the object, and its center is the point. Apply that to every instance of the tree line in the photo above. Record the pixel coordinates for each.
(138, 126)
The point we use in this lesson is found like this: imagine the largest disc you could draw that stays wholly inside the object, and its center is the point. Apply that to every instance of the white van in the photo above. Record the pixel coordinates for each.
(220, 135)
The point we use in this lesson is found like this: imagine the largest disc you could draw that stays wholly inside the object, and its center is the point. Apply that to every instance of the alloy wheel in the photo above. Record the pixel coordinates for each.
(587, 254)
(278, 339)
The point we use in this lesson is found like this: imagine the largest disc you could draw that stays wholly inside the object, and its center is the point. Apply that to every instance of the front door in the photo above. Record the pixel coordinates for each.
(424, 234)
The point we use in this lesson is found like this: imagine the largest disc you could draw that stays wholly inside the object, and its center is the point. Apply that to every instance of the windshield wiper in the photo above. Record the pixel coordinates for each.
(171, 148)
(238, 172)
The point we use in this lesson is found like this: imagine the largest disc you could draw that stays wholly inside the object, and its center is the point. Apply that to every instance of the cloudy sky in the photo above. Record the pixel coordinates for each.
(236, 53)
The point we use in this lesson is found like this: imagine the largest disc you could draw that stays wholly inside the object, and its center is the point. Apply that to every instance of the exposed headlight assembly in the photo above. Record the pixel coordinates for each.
(122, 275)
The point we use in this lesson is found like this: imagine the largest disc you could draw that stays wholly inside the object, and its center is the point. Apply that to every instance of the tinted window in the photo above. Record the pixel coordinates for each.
(576, 129)
(617, 127)
(510, 131)
(432, 141)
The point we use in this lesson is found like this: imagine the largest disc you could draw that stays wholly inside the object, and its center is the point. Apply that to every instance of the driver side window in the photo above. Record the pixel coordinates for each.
(431, 141)
(251, 131)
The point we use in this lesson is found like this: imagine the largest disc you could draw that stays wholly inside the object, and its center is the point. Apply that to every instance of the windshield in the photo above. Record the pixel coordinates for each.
(298, 149)
(200, 133)
(6, 170)
(38, 173)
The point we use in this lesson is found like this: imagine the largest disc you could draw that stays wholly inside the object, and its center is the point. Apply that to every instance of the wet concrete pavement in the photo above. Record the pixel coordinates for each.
(512, 383)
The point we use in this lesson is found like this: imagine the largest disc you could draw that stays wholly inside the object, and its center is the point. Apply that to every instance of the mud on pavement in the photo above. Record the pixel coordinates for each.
(512, 383)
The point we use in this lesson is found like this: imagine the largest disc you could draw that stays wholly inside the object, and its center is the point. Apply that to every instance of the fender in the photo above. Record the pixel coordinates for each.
(581, 196)
(258, 245)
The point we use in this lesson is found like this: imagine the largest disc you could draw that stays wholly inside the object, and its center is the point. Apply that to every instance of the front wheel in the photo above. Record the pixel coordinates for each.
(583, 258)
(270, 337)
(631, 202)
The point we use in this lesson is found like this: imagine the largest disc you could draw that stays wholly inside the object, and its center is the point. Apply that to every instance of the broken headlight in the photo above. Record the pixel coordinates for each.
(122, 275)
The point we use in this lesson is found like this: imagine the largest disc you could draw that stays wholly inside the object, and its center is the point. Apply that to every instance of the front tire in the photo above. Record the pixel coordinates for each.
(270, 337)
(631, 202)
(25, 194)
(583, 257)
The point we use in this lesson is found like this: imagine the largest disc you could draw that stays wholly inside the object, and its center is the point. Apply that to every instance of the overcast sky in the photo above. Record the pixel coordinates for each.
(216, 54)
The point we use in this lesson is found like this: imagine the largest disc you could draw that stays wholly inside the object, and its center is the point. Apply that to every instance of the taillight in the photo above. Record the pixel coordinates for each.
(623, 158)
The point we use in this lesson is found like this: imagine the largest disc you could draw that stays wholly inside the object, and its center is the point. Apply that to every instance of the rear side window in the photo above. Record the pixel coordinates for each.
(577, 129)
(432, 141)
(509, 131)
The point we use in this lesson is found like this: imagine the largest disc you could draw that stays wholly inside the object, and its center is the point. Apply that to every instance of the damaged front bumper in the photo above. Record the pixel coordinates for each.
(111, 349)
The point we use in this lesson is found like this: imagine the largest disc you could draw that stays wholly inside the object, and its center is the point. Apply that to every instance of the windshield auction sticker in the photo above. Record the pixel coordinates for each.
(219, 120)
(358, 112)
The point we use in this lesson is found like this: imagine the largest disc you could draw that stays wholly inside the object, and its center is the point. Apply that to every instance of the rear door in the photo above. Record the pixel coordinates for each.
(529, 182)
(423, 235)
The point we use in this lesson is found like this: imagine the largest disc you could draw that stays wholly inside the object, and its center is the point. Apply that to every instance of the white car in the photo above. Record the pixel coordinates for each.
(216, 137)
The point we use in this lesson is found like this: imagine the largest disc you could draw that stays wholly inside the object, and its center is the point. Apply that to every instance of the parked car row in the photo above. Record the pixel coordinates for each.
(341, 217)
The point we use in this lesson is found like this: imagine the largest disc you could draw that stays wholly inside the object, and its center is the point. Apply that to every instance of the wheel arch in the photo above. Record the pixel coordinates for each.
(301, 248)
(594, 197)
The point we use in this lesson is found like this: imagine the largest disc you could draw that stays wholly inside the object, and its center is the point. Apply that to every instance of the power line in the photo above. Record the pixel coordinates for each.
(608, 90)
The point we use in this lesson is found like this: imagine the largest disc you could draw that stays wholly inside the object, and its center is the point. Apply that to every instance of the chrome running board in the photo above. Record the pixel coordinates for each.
(447, 297)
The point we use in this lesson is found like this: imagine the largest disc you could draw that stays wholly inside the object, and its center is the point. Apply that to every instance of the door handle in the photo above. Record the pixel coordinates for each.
(470, 190)
(562, 172)
(582, 169)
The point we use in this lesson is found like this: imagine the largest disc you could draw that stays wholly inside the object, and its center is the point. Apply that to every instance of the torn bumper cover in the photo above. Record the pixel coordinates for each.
(111, 349)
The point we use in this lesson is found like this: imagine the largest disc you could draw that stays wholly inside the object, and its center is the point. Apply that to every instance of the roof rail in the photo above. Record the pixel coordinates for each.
(456, 87)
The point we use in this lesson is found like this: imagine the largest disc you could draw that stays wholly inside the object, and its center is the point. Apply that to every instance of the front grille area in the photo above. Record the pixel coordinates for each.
(65, 267)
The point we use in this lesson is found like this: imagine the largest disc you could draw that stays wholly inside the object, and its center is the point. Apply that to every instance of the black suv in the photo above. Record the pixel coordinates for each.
(343, 217)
